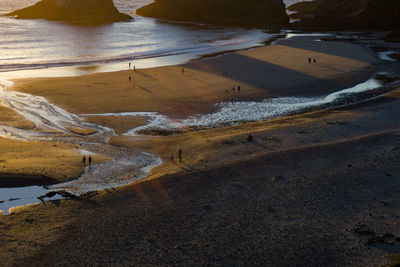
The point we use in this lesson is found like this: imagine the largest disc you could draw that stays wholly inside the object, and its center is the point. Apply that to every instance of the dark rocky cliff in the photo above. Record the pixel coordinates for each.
(253, 13)
(347, 14)
(80, 11)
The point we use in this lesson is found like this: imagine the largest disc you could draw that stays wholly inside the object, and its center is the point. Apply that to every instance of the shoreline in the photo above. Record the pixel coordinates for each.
(310, 182)
(196, 65)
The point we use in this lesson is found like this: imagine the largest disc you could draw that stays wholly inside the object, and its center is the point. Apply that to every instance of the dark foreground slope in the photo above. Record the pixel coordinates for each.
(88, 11)
(345, 14)
(258, 13)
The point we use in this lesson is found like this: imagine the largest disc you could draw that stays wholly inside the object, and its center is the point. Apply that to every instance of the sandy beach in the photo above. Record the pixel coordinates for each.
(316, 188)
(270, 71)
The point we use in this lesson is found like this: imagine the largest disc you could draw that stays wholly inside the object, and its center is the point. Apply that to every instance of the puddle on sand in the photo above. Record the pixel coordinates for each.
(21, 196)
(386, 55)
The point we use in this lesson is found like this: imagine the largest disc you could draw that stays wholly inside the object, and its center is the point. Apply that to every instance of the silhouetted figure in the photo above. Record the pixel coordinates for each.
(183, 70)
(84, 160)
(249, 138)
(180, 154)
(129, 65)
(90, 160)
(233, 88)
(172, 156)
(309, 60)
(315, 61)
(130, 78)
(134, 67)
(239, 88)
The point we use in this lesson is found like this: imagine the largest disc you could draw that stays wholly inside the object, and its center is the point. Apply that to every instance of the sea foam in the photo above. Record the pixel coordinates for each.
(243, 111)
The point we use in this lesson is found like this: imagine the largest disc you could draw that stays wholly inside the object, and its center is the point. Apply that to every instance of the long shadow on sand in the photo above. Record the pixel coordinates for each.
(263, 75)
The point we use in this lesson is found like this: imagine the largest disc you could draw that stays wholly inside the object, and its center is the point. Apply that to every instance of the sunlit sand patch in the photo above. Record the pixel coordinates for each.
(81, 131)
(120, 124)
(11, 118)
(292, 58)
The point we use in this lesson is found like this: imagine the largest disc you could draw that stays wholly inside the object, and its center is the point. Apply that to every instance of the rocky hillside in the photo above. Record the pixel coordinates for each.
(80, 11)
(347, 14)
(253, 13)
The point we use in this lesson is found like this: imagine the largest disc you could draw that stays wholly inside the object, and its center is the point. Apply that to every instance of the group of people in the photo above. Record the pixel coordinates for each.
(134, 69)
(84, 160)
(238, 88)
(134, 66)
(179, 155)
(311, 60)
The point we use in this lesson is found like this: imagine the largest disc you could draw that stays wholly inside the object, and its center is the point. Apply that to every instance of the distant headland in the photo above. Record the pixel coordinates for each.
(347, 15)
(252, 13)
(76, 11)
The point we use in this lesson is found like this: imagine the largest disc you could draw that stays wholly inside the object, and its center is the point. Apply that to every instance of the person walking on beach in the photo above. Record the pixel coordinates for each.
(134, 67)
(238, 88)
(315, 61)
(129, 65)
(90, 160)
(183, 70)
(233, 88)
(130, 78)
(180, 154)
(84, 160)
(172, 156)
(309, 60)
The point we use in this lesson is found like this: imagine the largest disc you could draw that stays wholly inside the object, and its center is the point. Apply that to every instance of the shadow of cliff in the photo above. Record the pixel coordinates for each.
(328, 48)
(263, 75)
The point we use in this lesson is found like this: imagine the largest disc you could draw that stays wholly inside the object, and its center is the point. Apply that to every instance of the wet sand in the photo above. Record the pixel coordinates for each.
(318, 188)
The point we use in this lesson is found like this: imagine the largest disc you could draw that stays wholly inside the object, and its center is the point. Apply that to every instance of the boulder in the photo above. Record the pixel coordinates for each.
(77, 11)
(252, 13)
(347, 14)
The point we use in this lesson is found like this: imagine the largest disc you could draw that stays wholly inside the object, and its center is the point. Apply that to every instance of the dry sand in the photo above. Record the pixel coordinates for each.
(38, 163)
(318, 188)
(10, 117)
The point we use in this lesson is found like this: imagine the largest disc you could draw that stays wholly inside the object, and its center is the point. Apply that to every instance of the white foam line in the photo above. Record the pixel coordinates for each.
(385, 55)
(155, 120)
(233, 112)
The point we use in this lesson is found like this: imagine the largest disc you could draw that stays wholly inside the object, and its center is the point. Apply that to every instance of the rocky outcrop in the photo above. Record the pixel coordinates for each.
(253, 13)
(347, 14)
(392, 36)
(79, 11)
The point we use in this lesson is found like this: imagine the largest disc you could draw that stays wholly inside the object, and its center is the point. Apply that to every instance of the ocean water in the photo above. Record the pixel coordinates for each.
(39, 44)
